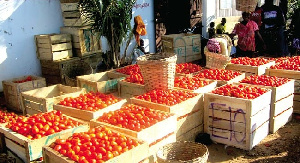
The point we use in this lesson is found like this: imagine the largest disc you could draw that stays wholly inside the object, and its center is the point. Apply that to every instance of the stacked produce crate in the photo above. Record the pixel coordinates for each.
(281, 99)
(42, 99)
(250, 66)
(27, 145)
(98, 82)
(221, 76)
(61, 55)
(186, 46)
(184, 109)
(125, 148)
(145, 124)
(85, 41)
(288, 67)
(13, 88)
(236, 117)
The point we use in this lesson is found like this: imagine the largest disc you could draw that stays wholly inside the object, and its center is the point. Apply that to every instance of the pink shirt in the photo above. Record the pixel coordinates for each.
(246, 35)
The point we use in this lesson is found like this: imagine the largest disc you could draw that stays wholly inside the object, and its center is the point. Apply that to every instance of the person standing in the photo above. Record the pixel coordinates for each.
(256, 17)
(211, 30)
(221, 28)
(273, 29)
(246, 31)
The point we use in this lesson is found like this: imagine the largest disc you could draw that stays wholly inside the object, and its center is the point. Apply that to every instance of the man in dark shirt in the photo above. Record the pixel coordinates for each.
(273, 27)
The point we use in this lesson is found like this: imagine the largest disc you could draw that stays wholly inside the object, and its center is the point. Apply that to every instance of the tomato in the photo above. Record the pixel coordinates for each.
(240, 91)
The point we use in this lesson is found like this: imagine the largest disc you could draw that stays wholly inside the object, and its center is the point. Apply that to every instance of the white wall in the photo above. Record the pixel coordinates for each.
(144, 8)
(20, 20)
(209, 15)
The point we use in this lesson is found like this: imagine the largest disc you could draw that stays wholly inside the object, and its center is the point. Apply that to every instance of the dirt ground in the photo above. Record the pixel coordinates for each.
(280, 147)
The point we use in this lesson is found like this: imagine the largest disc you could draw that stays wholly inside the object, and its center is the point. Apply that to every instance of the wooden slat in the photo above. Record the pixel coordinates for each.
(88, 115)
(150, 134)
(281, 119)
(180, 109)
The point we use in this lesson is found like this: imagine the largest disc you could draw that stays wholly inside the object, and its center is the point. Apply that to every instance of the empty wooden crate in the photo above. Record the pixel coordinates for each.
(43, 99)
(53, 46)
(85, 41)
(14, 87)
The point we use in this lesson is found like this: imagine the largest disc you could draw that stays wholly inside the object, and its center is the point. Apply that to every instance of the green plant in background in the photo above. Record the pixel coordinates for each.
(292, 6)
(112, 19)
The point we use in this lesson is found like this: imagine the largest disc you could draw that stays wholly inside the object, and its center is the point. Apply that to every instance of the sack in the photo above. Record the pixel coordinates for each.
(213, 45)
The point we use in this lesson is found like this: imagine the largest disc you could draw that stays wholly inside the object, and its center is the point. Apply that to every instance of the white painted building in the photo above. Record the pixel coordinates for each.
(20, 20)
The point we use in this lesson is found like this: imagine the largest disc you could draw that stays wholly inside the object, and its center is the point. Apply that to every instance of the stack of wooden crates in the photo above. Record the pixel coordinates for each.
(186, 46)
(74, 46)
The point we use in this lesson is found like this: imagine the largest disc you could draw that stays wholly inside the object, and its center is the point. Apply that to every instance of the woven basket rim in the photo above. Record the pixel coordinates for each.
(187, 143)
(157, 57)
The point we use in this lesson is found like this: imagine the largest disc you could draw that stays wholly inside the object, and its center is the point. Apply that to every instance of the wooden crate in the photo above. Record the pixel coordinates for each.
(99, 82)
(29, 150)
(150, 134)
(297, 86)
(296, 102)
(43, 99)
(85, 114)
(53, 46)
(85, 41)
(234, 80)
(296, 107)
(180, 109)
(238, 139)
(12, 91)
(279, 112)
(281, 119)
(133, 155)
(283, 73)
(186, 46)
(279, 93)
(154, 147)
(54, 71)
(208, 88)
(71, 14)
(189, 121)
(250, 70)
(128, 90)
(191, 134)
(114, 74)
(230, 116)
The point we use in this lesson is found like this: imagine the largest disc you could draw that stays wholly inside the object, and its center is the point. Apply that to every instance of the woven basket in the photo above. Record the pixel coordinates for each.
(76, 70)
(158, 70)
(246, 5)
(182, 152)
(216, 61)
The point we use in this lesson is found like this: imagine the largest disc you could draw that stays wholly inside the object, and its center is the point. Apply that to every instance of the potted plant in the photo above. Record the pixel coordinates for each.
(111, 18)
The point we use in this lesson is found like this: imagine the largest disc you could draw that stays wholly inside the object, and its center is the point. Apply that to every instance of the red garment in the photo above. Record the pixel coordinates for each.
(256, 16)
(246, 35)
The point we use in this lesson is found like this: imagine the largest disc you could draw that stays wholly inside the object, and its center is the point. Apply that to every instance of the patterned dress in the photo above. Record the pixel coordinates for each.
(246, 35)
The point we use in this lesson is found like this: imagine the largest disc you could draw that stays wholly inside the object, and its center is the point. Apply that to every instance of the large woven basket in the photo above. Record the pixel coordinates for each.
(73, 71)
(246, 5)
(158, 70)
(182, 152)
(216, 61)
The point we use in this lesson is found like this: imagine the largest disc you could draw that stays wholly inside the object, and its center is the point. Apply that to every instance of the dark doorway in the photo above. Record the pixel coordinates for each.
(173, 16)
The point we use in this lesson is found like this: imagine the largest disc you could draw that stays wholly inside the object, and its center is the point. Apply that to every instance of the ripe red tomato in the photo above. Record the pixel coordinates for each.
(187, 68)
(218, 74)
(89, 152)
(36, 126)
(90, 101)
(240, 91)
